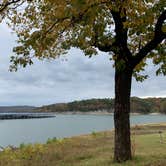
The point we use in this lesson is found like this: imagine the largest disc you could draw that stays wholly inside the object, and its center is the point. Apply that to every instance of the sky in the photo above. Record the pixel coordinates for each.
(69, 78)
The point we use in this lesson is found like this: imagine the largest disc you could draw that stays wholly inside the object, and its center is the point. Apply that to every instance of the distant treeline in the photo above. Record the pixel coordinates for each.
(139, 105)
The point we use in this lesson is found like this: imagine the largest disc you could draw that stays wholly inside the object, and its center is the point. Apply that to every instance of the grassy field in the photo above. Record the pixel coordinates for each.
(96, 149)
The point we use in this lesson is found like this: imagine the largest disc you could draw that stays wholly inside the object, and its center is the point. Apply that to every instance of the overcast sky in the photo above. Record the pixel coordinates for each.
(56, 81)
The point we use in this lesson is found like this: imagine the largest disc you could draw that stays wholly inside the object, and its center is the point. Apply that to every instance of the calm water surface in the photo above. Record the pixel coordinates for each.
(15, 132)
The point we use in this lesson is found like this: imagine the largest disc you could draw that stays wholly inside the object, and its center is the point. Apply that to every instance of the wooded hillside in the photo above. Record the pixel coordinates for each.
(138, 105)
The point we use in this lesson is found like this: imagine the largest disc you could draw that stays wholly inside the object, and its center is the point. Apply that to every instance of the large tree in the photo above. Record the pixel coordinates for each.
(131, 31)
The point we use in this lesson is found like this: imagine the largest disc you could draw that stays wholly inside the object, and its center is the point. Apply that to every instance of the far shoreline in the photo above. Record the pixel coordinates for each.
(102, 113)
(38, 115)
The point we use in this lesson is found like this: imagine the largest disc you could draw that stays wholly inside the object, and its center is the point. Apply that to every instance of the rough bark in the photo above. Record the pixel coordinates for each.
(122, 149)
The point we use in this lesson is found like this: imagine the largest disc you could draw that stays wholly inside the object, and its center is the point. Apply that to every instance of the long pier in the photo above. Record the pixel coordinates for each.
(4, 116)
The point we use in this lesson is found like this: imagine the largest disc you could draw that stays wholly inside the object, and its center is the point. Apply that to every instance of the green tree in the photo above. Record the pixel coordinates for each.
(131, 31)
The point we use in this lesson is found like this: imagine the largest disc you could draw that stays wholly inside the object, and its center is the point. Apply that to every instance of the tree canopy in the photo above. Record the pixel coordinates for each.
(49, 28)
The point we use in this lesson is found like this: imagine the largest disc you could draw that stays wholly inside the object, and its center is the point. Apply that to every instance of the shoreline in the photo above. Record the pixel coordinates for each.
(100, 113)
(31, 115)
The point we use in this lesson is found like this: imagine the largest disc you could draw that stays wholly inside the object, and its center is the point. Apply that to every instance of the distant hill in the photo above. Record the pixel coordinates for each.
(83, 106)
(148, 105)
(16, 108)
(139, 105)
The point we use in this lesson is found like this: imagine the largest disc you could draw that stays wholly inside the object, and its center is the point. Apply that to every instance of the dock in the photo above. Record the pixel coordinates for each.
(5, 116)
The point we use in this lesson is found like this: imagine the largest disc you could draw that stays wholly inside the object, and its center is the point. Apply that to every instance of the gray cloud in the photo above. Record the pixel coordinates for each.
(62, 80)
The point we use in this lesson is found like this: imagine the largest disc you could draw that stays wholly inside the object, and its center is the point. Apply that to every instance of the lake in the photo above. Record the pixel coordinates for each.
(15, 132)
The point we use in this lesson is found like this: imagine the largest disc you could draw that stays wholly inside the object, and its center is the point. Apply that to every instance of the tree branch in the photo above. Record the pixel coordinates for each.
(74, 19)
(3, 6)
(78, 17)
(159, 36)
(121, 36)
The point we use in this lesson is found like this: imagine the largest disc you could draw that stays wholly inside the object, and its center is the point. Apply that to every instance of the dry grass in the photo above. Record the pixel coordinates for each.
(95, 149)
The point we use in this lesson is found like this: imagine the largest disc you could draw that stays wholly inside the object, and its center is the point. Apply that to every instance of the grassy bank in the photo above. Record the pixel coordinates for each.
(95, 149)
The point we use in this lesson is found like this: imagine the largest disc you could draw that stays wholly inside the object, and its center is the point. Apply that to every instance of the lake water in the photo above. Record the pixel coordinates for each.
(15, 132)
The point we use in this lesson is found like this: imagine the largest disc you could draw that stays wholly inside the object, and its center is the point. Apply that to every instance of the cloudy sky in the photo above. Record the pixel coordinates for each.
(62, 80)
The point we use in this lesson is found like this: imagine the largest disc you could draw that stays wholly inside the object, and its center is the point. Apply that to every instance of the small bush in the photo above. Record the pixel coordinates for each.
(94, 133)
(22, 145)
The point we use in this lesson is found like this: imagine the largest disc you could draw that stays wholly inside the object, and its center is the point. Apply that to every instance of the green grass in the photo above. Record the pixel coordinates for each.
(95, 149)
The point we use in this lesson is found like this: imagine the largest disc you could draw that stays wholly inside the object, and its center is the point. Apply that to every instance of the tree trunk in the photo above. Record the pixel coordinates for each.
(122, 150)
